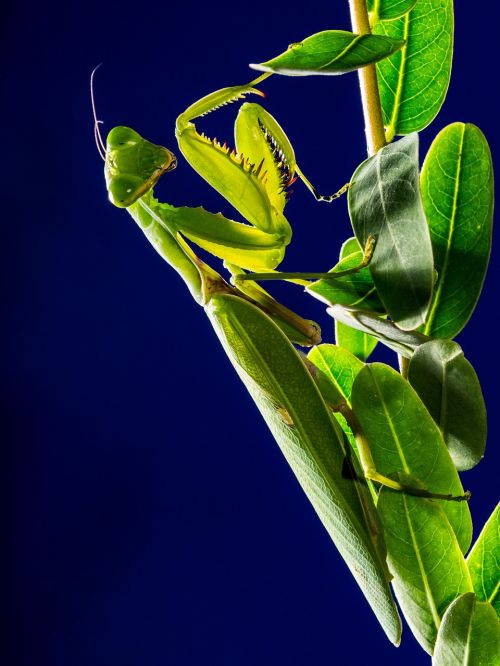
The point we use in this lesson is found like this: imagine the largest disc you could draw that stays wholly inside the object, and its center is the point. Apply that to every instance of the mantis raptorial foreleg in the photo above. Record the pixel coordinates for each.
(259, 140)
(254, 177)
(133, 165)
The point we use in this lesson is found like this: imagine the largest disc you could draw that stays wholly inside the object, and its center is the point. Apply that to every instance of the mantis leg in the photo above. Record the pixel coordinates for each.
(370, 470)
(314, 191)
(367, 257)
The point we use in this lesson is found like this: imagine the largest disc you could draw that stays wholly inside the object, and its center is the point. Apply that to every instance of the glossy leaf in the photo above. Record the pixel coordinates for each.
(424, 557)
(388, 9)
(404, 439)
(311, 441)
(385, 202)
(413, 82)
(331, 52)
(457, 192)
(449, 388)
(402, 342)
(484, 562)
(469, 634)
(340, 367)
(355, 290)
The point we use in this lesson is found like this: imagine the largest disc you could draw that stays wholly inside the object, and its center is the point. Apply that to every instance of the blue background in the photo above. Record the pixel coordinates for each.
(151, 517)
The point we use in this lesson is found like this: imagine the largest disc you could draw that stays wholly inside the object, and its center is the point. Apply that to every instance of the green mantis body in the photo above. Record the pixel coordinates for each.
(255, 331)
(254, 184)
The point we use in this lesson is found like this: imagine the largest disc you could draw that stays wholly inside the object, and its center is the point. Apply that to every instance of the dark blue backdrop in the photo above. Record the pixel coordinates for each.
(151, 518)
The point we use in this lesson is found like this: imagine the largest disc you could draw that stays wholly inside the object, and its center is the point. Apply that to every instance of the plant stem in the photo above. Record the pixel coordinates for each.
(370, 97)
(372, 108)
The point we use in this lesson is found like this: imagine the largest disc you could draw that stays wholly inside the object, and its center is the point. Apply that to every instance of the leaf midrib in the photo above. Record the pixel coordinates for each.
(451, 231)
(428, 591)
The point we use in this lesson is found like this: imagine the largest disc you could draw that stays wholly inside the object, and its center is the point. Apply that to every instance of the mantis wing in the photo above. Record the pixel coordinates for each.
(311, 442)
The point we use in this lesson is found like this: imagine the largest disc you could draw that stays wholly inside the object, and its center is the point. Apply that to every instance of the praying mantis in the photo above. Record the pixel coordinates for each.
(297, 402)
(254, 178)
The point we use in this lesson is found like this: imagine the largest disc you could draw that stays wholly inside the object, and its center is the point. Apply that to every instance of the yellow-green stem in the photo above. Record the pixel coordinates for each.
(370, 97)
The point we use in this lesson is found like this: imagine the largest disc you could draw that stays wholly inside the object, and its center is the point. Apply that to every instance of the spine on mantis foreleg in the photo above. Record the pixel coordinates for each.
(311, 441)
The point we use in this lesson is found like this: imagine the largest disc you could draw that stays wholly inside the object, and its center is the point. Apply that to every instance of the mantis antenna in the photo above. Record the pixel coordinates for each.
(97, 134)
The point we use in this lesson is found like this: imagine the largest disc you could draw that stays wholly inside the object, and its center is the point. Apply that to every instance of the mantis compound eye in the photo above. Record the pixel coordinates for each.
(121, 137)
(124, 190)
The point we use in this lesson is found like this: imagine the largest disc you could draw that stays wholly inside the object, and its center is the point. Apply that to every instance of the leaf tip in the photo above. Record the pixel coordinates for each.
(260, 67)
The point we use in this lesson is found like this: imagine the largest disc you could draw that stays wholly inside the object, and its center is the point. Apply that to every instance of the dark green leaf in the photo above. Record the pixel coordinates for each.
(331, 52)
(402, 342)
(414, 81)
(385, 202)
(311, 441)
(484, 562)
(450, 389)
(469, 634)
(424, 557)
(388, 9)
(457, 192)
(404, 439)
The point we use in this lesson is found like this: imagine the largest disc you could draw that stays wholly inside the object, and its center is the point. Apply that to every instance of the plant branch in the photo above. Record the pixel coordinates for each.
(370, 97)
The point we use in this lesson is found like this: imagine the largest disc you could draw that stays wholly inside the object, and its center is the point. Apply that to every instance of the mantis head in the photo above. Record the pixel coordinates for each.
(133, 165)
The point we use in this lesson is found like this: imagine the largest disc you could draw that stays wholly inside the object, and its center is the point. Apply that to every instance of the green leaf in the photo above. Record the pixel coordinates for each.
(484, 562)
(339, 365)
(311, 441)
(388, 9)
(331, 52)
(358, 343)
(404, 439)
(469, 635)
(341, 368)
(424, 557)
(385, 202)
(457, 192)
(355, 290)
(449, 388)
(402, 342)
(413, 82)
